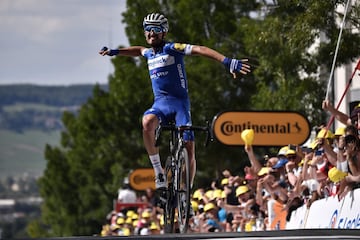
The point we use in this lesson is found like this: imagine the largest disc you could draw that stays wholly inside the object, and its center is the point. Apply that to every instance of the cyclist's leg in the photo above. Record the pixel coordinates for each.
(150, 122)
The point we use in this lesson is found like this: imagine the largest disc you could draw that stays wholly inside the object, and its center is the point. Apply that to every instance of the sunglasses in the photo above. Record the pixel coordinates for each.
(155, 29)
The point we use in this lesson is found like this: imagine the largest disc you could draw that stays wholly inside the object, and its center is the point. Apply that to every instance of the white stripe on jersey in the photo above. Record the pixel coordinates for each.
(188, 49)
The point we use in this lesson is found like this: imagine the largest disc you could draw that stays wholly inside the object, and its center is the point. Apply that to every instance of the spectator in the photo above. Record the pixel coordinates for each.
(127, 195)
(211, 223)
(351, 153)
(150, 197)
(292, 167)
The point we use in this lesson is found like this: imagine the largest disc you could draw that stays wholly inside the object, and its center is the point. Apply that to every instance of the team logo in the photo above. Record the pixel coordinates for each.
(179, 46)
(161, 61)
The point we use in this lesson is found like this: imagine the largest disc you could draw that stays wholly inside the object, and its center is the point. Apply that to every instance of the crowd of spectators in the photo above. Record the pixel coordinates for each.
(295, 176)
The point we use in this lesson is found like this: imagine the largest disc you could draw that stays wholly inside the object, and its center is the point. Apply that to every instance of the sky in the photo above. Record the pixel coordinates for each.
(56, 42)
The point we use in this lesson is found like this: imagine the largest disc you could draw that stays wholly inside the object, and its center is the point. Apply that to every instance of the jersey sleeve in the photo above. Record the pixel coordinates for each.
(144, 51)
(183, 48)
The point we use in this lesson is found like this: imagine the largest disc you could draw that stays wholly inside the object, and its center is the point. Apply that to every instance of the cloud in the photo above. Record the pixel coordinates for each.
(56, 42)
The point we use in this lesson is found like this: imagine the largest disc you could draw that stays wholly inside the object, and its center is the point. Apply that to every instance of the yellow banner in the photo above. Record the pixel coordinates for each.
(142, 178)
(270, 128)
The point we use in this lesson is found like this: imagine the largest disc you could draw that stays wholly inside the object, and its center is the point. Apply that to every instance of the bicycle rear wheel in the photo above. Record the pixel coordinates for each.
(183, 190)
(169, 208)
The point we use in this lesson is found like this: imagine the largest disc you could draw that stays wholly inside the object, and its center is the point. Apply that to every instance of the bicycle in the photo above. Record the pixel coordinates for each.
(177, 171)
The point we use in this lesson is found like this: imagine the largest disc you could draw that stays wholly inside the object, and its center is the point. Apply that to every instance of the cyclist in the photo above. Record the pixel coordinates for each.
(169, 84)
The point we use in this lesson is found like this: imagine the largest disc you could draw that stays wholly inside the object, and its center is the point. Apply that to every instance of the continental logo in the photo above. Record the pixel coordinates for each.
(270, 128)
(142, 178)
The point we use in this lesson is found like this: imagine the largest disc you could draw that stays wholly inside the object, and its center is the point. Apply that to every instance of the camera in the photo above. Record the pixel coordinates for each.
(319, 152)
(306, 149)
(292, 147)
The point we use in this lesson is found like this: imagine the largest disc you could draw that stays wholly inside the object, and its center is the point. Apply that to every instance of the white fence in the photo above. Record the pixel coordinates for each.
(329, 213)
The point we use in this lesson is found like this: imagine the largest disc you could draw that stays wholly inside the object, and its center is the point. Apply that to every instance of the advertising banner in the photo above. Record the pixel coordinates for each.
(276, 128)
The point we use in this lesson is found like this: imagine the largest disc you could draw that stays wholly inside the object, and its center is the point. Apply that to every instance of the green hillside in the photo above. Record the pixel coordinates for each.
(24, 152)
(30, 117)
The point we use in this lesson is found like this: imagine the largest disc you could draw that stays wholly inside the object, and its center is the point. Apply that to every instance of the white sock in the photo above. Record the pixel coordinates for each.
(156, 163)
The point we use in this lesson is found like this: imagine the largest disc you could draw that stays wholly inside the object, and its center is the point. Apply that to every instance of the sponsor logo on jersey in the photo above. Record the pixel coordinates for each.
(181, 75)
(158, 74)
(179, 46)
(161, 61)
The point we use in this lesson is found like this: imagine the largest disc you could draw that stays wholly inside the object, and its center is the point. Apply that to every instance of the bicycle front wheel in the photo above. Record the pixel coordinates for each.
(183, 190)
(169, 207)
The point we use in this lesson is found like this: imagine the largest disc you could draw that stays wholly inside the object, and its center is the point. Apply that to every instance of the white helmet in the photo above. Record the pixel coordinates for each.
(156, 19)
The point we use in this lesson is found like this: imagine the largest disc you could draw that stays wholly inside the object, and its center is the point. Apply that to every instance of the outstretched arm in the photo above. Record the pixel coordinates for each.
(234, 65)
(340, 116)
(255, 163)
(133, 51)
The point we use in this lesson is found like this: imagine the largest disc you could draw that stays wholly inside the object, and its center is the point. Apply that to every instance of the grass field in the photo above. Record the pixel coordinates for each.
(24, 152)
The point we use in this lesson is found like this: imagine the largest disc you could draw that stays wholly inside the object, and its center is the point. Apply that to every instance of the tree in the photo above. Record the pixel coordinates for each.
(103, 142)
(288, 73)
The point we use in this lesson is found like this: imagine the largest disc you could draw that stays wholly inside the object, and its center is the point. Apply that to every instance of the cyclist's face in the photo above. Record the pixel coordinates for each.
(154, 39)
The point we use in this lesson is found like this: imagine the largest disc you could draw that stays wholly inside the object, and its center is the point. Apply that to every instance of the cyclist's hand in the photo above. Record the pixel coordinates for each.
(110, 52)
(104, 51)
(236, 66)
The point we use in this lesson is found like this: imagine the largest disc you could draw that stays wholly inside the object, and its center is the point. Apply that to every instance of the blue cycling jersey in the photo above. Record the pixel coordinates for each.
(166, 70)
(169, 84)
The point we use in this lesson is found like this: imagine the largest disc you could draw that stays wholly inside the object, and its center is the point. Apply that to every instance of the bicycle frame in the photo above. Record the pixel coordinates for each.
(177, 170)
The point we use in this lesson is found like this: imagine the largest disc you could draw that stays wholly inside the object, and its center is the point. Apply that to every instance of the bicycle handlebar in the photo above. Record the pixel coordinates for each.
(183, 128)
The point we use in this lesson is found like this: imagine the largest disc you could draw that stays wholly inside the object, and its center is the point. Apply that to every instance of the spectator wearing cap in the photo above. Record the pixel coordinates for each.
(293, 167)
(224, 181)
(275, 182)
(131, 216)
(247, 203)
(224, 217)
(144, 222)
(246, 200)
(339, 132)
(261, 193)
(106, 231)
(272, 185)
(115, 230)
(209, 219)
(271, 162)
(278, 170)
(154, 228)
(324, 141)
